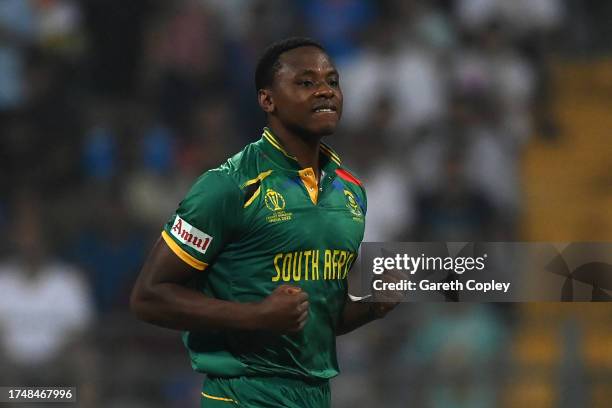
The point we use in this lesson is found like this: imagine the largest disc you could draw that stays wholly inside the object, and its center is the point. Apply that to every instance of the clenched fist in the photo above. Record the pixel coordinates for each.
(284, 310)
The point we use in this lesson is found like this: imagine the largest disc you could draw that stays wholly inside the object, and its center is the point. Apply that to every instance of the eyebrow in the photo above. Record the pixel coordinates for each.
(332, 71)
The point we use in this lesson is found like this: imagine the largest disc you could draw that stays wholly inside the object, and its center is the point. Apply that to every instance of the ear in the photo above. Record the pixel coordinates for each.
(264, 97)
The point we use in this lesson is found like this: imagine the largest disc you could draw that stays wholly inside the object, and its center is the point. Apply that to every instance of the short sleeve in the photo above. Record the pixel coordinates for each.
(206, 220)
(365, 200)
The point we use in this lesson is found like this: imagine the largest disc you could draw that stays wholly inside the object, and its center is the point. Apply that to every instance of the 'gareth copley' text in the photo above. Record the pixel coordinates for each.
(426, 285)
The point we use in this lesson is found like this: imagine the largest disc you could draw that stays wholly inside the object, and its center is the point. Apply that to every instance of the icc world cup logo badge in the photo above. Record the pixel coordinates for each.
(274, 201)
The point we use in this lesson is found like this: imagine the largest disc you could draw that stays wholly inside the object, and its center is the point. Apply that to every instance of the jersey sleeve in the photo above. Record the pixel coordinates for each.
(364, 205)
(206, 220)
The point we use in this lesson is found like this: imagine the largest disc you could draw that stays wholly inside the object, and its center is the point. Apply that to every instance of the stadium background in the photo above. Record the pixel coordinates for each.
(466, 119)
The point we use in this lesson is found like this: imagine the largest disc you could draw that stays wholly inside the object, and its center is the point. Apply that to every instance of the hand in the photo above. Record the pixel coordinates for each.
(284, 310)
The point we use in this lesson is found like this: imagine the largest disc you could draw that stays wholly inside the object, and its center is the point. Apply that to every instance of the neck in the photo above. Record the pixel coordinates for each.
(305, 148)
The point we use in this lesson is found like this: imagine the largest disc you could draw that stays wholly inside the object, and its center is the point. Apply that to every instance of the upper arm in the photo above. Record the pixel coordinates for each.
(204, 222)
(163, 266)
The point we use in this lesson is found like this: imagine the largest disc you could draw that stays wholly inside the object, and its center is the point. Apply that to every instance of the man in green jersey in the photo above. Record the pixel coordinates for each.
(253, 265)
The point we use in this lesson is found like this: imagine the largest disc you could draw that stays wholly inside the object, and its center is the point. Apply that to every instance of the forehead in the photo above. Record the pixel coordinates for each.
(298, 60)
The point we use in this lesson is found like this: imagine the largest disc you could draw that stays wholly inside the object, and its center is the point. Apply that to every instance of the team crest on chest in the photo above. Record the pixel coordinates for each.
(351, 204)
(275, 202)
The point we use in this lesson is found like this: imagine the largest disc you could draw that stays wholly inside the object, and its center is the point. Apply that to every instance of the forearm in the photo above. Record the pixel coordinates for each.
(177, 307)
(354, 315)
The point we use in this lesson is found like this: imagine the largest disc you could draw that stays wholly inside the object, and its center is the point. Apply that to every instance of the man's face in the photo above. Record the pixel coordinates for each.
(306, 92)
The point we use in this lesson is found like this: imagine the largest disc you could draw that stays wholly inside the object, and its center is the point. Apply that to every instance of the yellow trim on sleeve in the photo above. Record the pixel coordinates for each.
(310, 182)
(205, 395)
(185, 257)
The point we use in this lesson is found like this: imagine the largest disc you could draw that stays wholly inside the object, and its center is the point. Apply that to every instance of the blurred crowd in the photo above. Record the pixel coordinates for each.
(109, 110)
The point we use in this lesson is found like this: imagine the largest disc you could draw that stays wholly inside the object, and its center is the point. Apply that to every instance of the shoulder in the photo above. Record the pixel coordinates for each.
(232, 175)
(348, 176)
(242, 166)
(350, 179)
(354, 184)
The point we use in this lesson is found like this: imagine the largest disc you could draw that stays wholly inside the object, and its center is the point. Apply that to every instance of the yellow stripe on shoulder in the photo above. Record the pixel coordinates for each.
(212, 397)
(184, 256)
(253, 197)
(259, 177)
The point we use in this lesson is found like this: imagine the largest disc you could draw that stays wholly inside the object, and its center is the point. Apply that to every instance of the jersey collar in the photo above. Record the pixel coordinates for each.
(272, 146)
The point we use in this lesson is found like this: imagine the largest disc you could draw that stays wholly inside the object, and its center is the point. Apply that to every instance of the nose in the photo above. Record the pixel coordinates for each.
(324, 90)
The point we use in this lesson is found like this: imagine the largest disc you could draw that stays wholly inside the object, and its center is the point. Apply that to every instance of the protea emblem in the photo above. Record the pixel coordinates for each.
(352, 205)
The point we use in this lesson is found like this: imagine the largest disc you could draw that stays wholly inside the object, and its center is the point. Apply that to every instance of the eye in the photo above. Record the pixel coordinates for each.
(306, 83)
(334, 83)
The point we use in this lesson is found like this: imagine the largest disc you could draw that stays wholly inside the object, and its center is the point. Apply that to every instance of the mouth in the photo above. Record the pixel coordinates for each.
(325, 108)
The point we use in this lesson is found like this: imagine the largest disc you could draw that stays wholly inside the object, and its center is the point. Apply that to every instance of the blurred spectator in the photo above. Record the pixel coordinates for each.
(154, 186)
(17, 33)
(492, 167)
(100, 156)
(521, 15)
(458, 346)
(456, 211)
(115, 33)
(45, 305)
(60, 27)
(184, 56)
(423, 22)
(530, 24)
(158, 148)
(111, 249)
(473, 155)
(390, 208)
(399, 69)
(243, 51)
(489, 66)
(338, 23)
(210, 138)
(236, 16)
(44, 130)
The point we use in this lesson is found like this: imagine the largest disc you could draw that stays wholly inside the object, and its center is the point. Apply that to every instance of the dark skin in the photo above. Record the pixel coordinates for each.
(160, 296)
(303, 104)
(306, 82)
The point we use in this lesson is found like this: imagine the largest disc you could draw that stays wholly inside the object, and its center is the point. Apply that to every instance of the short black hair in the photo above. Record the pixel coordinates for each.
(269, 63)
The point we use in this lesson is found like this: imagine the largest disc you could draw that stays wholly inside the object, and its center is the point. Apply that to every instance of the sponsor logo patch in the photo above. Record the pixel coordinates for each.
(190, 235)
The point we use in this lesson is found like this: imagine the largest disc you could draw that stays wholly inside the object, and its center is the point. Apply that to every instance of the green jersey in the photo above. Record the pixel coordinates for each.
(259, 221)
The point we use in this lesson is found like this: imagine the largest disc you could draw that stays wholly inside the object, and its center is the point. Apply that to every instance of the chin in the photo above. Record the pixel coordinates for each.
(324, 129)
(315, 129)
